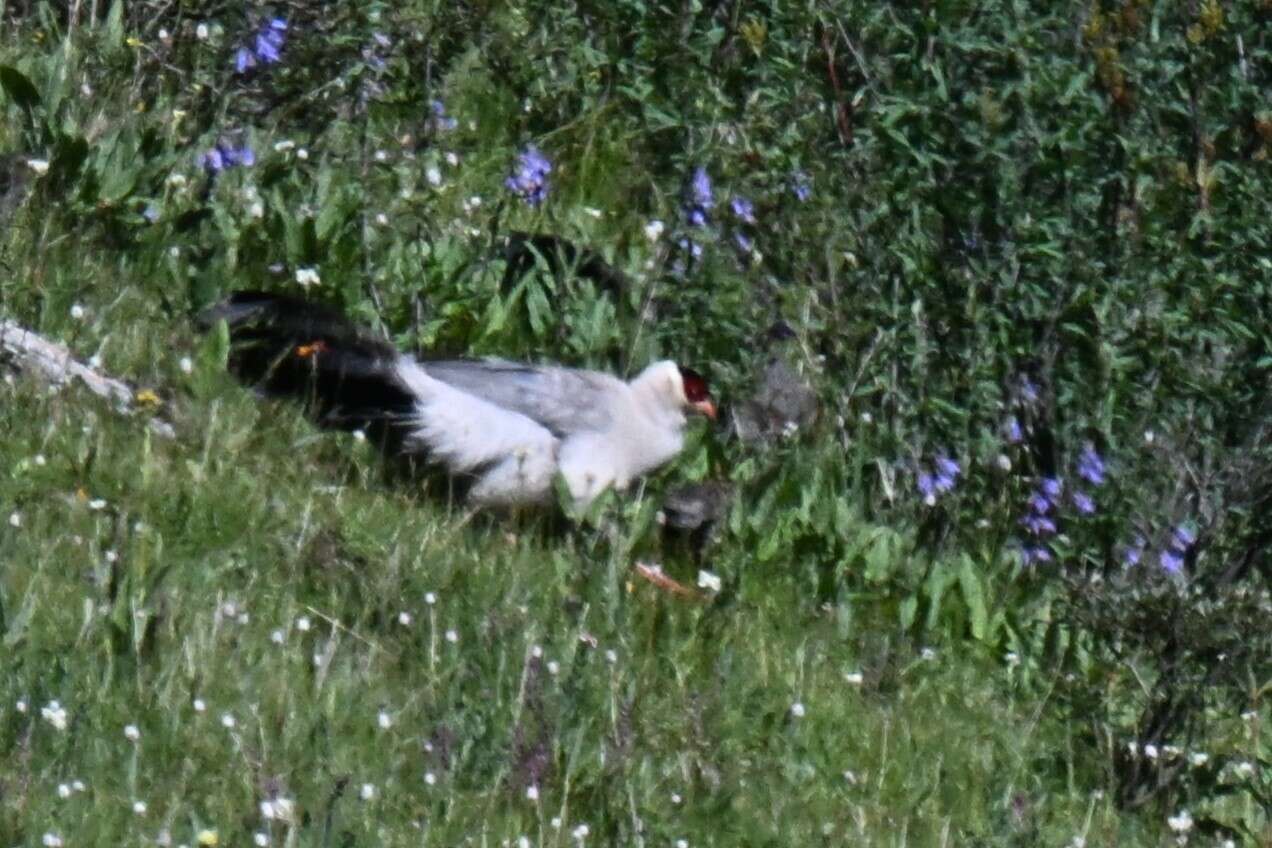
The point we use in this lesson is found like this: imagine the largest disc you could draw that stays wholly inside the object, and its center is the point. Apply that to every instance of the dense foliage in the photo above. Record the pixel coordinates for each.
(1021, 250)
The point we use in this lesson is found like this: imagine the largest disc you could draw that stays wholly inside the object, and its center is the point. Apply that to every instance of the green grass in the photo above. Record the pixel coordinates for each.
(193, 579)
(987, 210)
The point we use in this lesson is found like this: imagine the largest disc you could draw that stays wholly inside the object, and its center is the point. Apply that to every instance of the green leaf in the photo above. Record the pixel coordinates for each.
(19, 88)
(974, 596)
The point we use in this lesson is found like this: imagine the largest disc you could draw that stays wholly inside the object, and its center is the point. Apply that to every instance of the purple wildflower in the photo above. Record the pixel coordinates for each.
(212, 160)
(743, 209)
(743, 241)
(150, 213)
(927, 487)
(267, 47)
(1035, 553)
(529, 180)
(1134, 552)
(225, 155)
(1011, 431)
(1083, 503)
(801, 186)
(700, 188)
(1029, 390)
(1039, 503)
(1090, 465)
(1051, 487)
(699, 200)
(1183, 538)
(1172, 562)
(1039, 525)
(693, 248)
(947, 467)
(441, 121)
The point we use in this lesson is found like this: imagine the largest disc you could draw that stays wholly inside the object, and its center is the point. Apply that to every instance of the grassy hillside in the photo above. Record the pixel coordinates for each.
(1010, 587)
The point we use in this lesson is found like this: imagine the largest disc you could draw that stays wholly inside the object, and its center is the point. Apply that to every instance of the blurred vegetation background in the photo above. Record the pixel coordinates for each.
(1009, 585)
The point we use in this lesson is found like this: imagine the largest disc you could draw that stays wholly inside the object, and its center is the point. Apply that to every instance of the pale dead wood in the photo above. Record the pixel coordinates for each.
(655, 575)
(54, 364)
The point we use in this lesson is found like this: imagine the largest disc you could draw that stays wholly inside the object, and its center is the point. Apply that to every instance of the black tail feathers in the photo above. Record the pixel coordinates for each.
(288, 347)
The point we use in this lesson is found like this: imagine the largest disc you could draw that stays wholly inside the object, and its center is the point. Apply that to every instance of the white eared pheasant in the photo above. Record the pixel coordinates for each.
(510, 426)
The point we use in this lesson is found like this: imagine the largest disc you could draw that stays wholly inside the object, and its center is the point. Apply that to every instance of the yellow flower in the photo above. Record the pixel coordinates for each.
(208, 838)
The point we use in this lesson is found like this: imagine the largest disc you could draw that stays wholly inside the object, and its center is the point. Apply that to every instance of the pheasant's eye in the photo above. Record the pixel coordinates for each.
(695, 385)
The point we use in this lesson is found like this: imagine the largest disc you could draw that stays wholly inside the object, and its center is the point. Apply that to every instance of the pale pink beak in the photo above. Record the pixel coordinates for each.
(705, 407)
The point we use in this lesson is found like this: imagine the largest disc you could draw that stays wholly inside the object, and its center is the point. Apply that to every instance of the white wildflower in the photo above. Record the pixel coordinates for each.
(15, 519)
(1198, 759)
(139, 807)
(302, 154)
(131, 733)
(52, 840)
(1181, 822)
(430, 778)
(63, 790)
(384, 720)
(854, 678)
(54, 714)
(554, 667)
(452, 159)
(77, 312)
(430, 598)
(306, 277)
(676, 799)
(201, 32)
(708, 580)
(381, 219)
(228, 721)
(78, 785)
(532, 792)
(797, 709)
(278, 809)
(434, 175)
(177, 181)
(381, 156)
(1243, 770)
(367, 792)
(1150, 751)
(41, 167)
(97, 504)
(260, 839)
(302, 624)
(536, 651)
(278, 637)
(927, 654)
(452, 636)
(654, 230)
(580, 833)
(611, 656)
(199, 705)
(40, 460)
(404, 618)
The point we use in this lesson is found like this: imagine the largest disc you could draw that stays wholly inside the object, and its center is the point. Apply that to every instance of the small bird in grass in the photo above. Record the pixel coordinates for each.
(510, 426)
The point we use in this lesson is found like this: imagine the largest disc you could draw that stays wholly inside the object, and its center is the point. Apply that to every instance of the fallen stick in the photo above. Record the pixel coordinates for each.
(654, 574)
(54, 364)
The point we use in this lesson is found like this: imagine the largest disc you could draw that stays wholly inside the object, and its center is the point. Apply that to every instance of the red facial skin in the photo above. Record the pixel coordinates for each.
(697, 393)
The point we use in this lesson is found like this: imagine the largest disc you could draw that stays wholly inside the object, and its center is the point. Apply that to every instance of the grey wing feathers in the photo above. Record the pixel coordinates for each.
(562, 400)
